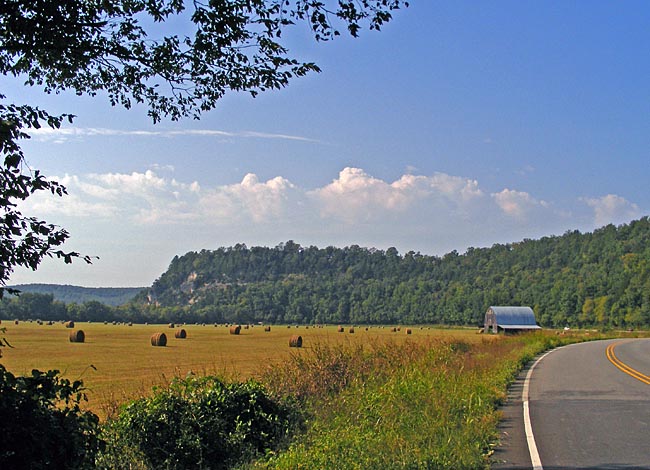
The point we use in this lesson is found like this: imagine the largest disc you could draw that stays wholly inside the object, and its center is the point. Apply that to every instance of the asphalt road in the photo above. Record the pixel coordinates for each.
(585, 411)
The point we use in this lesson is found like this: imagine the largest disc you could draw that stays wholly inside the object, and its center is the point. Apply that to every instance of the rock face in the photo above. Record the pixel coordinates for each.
(187, 287)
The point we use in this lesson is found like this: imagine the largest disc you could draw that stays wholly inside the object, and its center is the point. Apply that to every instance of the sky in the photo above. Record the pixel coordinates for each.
(460, 124)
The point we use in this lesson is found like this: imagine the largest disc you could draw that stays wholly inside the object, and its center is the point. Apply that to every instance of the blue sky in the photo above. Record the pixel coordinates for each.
(459, 124)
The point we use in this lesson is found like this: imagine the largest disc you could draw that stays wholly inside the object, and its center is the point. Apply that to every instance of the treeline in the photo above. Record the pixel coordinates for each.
(33, 306)
(75, 294)
(581, 280)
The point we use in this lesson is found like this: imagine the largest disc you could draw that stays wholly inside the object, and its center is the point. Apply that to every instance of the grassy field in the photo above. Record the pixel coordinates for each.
(372, 399)
(117, 362)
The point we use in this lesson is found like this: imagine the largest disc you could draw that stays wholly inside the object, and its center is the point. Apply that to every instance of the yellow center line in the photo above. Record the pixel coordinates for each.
(624, 367)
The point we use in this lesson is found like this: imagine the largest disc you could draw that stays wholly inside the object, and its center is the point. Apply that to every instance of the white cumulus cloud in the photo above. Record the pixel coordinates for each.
(612, 209)
(259, 200)
(357, 195)
(517, 204)
(429, 213)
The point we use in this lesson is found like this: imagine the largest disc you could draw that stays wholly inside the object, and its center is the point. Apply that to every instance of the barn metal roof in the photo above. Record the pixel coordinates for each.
(515, 318)
(518, 327)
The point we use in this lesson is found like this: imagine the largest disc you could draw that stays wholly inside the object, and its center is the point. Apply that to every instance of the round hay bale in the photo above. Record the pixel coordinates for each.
(180, 334)
(77, 336)
(171, 325)
(159, 339)
(340, 329)
(69, 324)
(234, 330)
(393, 329)
(408, 331)
(267, 328)
(130, 323)
(351, 329)
(295, 341)
(16, 322)
(245, 327)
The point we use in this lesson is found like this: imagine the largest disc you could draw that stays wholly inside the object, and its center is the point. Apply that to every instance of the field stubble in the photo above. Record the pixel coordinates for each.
(117, 362)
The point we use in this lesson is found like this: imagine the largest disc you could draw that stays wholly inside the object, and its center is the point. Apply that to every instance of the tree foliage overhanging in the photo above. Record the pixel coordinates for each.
(131, 51)
(592, 279)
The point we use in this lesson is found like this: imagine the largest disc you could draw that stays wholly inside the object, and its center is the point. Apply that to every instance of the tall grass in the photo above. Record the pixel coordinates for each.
(426, 404)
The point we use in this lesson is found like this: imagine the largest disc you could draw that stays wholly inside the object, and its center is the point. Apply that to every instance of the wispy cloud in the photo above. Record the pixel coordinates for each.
(64, 134)
(526, 170)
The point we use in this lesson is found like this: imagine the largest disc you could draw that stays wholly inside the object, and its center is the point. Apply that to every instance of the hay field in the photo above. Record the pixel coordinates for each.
(118, 362)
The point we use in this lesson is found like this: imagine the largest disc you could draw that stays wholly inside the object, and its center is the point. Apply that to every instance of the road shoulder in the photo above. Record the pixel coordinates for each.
(512, 450)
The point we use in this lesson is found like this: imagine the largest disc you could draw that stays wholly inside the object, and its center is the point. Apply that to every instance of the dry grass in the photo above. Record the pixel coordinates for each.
(117, 362)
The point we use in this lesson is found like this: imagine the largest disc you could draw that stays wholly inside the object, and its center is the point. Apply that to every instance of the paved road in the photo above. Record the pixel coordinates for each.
(585, 412)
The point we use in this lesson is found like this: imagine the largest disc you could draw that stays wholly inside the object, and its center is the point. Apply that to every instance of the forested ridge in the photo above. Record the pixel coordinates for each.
(600, 279)
(579, 279)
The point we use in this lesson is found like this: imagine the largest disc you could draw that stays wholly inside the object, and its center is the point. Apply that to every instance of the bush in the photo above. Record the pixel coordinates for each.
(198, 423)
(45, 428)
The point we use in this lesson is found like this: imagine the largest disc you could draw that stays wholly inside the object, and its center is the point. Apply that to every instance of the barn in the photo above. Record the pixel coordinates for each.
(510, 320)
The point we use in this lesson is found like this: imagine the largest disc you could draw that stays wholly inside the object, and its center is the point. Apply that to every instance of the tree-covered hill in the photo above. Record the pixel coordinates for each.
(599, 278)
(578, 279)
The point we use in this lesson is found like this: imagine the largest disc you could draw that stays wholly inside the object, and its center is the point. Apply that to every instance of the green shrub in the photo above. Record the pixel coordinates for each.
(198, 423)
(44, 425)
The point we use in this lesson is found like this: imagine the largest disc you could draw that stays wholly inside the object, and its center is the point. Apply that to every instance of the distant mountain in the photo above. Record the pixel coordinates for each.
(113, 296)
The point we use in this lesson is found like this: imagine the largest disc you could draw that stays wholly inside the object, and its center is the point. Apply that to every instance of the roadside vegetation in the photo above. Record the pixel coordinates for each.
(426, 400)
(428, 404)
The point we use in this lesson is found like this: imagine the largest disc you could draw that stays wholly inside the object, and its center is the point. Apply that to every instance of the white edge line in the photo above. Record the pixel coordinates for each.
(530, 438)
